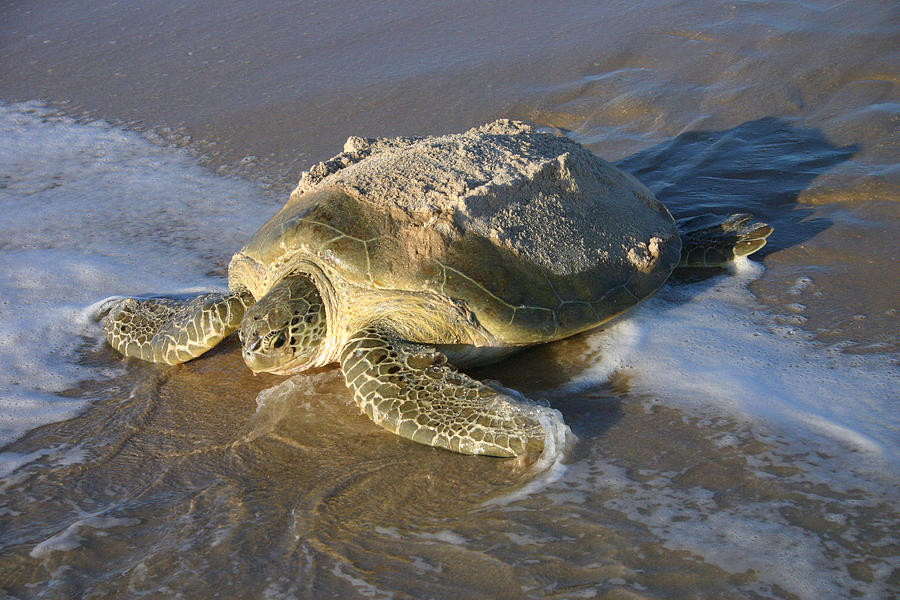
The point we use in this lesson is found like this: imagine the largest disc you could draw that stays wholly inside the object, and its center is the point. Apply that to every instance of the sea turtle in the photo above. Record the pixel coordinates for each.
(404, 258)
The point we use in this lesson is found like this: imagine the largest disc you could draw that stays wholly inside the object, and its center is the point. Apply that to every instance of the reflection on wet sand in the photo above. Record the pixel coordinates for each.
(177, 478)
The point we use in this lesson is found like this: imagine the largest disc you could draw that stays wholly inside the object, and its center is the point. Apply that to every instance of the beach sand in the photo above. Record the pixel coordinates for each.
(735, 436)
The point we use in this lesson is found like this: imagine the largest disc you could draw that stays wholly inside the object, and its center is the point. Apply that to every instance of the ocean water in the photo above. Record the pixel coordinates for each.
(91, 210)
(734, 436)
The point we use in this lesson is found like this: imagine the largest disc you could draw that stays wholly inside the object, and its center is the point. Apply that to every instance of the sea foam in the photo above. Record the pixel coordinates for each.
(710, 347)
(90, 211)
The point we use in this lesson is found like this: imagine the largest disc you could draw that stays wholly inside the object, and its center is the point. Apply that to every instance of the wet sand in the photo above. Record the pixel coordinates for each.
(204, 477)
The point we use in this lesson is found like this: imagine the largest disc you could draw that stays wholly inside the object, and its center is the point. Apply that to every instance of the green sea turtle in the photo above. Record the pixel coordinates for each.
(402, 259)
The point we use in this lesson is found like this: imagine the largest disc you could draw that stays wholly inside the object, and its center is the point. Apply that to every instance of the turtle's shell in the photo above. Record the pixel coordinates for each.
(539, 237)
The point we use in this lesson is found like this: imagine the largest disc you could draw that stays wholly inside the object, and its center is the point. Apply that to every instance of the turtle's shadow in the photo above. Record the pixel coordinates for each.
(760, 167)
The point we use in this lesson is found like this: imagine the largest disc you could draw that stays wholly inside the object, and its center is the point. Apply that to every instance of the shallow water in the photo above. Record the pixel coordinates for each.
(734, 436)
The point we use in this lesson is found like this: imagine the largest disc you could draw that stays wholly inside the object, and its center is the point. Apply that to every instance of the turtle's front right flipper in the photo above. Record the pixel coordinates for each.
(712, 241)
(171, 331)
(411, 390)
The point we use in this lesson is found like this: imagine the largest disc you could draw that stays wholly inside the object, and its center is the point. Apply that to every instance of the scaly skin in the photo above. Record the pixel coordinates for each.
(174, 331)
(283, 331)
(712, 241)
(411, 390)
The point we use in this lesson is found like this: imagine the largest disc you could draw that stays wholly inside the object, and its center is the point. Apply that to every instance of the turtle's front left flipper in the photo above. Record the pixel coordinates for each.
(411, 390)
(171, 331)
(713, 241)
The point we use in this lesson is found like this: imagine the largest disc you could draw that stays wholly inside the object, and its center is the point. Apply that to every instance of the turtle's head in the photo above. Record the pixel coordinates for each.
(283, 331)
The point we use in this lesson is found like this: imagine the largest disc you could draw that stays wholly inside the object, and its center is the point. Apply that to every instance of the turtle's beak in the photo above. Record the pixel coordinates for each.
(266, 353)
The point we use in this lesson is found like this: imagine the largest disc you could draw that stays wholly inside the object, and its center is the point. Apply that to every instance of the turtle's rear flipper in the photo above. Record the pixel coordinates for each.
(170, 331)
(712, 241)
(411, 390)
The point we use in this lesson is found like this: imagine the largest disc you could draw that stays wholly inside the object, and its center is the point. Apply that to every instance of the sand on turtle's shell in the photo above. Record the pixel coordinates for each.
(544, 197)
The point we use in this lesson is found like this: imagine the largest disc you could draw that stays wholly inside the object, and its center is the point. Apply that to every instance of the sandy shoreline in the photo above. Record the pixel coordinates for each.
(714, 456)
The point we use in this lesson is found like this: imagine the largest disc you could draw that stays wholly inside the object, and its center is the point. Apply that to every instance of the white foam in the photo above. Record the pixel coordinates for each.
(57, 455)
(90, 211)
(737, 538)
(558, 438)
(70, 538)
(360, 586)
(710, 347)
(711, 350)
(444, 536)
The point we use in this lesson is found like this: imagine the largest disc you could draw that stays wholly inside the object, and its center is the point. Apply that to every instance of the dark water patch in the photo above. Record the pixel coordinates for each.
(760, 167)
(540, 372)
